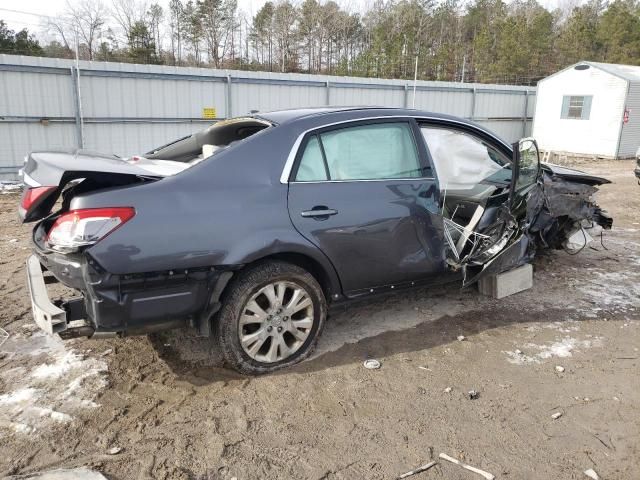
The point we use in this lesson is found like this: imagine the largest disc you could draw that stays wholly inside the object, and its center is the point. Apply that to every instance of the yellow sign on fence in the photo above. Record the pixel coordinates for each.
(209, 113)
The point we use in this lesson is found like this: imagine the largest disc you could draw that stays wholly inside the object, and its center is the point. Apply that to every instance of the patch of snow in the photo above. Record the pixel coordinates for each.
(619, 290)
(61, 365)
(564, 327)
(7, 186)
(17, 396)
(22, 428)
(561, 349)
(50, 383)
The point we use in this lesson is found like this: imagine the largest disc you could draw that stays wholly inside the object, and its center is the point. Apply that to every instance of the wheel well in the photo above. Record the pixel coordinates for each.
(309, 264)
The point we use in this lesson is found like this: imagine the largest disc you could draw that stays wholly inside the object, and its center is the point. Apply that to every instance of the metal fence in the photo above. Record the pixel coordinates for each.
(128, 109)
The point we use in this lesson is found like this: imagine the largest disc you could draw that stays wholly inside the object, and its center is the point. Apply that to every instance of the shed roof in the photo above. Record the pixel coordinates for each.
(626, 72)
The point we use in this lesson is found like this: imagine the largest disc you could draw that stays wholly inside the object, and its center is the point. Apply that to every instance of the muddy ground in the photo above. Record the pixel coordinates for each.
(171, 413)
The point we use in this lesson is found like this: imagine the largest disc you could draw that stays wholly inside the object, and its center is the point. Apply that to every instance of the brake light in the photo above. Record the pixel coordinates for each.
(80, 228)
(31, 196)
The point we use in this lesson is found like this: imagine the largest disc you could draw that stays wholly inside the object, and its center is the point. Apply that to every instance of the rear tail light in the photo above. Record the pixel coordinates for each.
(32, 197)
(81, 228)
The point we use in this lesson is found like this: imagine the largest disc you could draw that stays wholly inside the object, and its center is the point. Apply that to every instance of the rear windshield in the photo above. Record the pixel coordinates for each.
(209, 141)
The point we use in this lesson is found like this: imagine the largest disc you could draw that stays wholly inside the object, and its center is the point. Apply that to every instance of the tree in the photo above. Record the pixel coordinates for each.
(155, 15)
(262, 35)
(142, 48)
(85, 18)
(18, 43)
(618, 33)
(577, 39)
(284, 24)
(176, 15)
(193, 31)
(217, 18)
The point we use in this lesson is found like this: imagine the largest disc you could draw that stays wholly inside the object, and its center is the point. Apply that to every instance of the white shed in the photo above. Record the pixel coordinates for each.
(589, 109)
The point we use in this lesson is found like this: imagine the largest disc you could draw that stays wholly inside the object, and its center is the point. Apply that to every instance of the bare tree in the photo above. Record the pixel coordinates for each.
(88, 17)
(129, 13)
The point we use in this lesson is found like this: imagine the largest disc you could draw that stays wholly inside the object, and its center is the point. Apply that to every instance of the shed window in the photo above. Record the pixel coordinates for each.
(576, 107)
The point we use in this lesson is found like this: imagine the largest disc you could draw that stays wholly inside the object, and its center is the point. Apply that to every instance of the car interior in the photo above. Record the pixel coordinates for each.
(473, 176)
(207, 142)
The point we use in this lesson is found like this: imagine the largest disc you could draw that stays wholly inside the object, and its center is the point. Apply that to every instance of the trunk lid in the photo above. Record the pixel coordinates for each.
(76, 171)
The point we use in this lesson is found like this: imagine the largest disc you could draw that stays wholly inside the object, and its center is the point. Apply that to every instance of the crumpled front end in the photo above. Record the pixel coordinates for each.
(570, 216)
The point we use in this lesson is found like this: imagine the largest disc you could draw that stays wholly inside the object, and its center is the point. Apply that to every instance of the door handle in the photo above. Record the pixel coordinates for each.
(321, 211)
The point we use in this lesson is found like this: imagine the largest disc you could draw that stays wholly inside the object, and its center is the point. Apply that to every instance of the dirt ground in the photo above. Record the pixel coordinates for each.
(170, 413)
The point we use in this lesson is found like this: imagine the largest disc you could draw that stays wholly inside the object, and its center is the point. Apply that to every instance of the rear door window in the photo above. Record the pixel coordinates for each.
(364, 152)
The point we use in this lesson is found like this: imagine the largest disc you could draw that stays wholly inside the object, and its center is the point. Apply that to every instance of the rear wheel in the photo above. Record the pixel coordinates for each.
(271, 318)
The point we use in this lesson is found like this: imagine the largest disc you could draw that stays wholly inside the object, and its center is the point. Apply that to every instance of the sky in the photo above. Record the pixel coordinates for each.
(11, 10)
(43, 8)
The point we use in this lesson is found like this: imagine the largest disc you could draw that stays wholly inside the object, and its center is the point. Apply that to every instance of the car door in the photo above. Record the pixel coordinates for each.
(489, 197)
(524, 204)
(363, 192)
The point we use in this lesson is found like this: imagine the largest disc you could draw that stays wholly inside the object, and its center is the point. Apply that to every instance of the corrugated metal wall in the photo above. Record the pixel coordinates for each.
(630, 136)
(128, 109)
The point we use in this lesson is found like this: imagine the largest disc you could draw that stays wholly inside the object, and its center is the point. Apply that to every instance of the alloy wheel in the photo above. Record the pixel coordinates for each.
(276, 321)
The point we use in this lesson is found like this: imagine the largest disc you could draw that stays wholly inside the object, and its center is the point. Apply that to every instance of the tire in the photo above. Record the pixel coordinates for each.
(257, 305)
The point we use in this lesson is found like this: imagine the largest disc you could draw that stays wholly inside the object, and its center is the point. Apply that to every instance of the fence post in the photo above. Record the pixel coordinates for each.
(473, 103)
(526, 112)
(228, 106)
(406, 95)
(75, 84)
(327, 99)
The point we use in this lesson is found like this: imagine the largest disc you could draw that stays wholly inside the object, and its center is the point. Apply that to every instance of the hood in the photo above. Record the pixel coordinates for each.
(574, 175)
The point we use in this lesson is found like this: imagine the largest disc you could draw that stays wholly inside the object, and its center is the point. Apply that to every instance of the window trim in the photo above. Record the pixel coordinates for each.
(285, 175)
(295, 155)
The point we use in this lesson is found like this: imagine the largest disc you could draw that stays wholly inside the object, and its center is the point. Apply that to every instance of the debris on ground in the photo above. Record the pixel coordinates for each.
(8, 186)
(461, 338)
(486, 475)
(81, 473)
(556, 415)
(591, 474)
(4, 335)
(448, 390)
(473, 394)
(114, 450)
(559, 368)
(420, 469)
(372, 364)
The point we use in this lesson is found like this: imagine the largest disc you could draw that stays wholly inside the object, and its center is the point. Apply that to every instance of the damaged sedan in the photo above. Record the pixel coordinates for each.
(249, 230)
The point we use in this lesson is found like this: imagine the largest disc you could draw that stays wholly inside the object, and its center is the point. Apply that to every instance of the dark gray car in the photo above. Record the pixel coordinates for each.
(249, 230)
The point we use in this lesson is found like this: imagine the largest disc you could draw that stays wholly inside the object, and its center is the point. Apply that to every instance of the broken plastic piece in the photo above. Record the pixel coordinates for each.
(592, 474)
(372, 364)
(421, 468)
(486, 475)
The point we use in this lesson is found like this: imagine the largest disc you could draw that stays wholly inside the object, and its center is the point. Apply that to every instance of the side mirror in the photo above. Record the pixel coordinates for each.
(527, 163)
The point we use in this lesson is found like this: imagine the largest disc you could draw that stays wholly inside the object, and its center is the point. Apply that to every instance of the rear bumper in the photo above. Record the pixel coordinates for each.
(47, 316)
(117, 304)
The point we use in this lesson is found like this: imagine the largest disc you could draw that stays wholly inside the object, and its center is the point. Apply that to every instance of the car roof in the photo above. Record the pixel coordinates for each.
(346, 113)
(282, 116)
